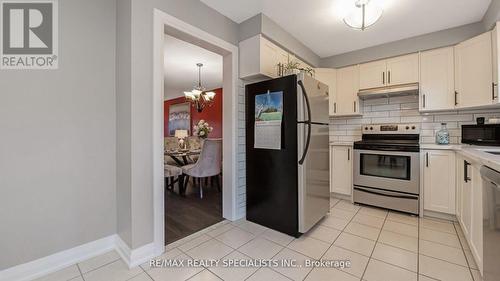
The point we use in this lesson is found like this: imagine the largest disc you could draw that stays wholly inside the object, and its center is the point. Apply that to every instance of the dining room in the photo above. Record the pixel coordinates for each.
(192, 138)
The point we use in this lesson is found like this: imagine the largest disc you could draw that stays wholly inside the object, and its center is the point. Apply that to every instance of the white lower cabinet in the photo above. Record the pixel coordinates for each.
(439, 181)
(470, 212)
(341, 169)
(476, 232)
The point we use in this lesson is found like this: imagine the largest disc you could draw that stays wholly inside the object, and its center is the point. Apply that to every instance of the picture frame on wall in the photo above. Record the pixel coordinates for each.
(179, 118)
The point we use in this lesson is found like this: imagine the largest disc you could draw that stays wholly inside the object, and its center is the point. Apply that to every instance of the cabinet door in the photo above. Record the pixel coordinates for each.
(473, 72)
(476, 232)
(283, 56)
(459, 179)
(341, 169)
(402, 70)
(496, 61)
(372, 74)
(346, 96)
(437, 79)
(329, 77)
(466, 204)
(269, 58)
(439, 181)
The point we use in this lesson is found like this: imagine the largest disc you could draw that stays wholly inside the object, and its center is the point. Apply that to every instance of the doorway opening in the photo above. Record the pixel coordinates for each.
(172, 26)
(193, 96)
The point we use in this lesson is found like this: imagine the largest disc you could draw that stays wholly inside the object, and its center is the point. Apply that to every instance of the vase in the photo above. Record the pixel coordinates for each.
(443, 136)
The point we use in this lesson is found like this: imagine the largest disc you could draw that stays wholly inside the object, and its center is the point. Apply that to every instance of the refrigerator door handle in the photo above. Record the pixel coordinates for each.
(307, 123)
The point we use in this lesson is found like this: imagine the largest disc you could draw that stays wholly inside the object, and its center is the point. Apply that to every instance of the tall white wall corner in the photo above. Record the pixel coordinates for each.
(137, 256)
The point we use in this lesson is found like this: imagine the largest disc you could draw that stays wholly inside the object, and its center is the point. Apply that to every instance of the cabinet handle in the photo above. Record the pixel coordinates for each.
(354, 106)
(348, 154)
(423, 101)
(334, 107)
(389, 77)
(383, 78)
(456, 101)
(493, 85)
(466, 176)
(427, 159)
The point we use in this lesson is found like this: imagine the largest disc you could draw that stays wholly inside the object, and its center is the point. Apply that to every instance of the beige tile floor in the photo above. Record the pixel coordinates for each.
(381, 245)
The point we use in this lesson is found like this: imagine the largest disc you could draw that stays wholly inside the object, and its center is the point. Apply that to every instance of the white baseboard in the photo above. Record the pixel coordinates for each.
(137, 256)
(341, 196)
(438, 215)
(46, 265)
(57, 261)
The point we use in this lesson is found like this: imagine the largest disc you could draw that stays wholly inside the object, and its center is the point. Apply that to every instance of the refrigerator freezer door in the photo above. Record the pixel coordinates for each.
(271, 175)
(313, 177)
(317, 93)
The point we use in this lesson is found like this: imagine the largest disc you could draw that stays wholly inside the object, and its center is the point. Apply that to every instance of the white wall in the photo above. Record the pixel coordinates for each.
(262, 24)
(136, 178)
(57, 144)
(433, 40)
(123, 119)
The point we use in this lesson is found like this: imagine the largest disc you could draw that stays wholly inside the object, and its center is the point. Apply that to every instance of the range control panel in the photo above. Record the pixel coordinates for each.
(390, 129)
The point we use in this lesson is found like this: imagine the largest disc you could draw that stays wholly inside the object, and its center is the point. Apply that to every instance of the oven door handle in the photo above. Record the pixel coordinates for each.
(385, 194)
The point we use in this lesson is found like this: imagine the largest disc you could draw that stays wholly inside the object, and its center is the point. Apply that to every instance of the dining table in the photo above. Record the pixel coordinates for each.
(182, 156)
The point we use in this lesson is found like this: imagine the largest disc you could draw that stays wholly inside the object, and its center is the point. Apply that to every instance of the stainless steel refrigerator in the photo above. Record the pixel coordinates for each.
(288, 184)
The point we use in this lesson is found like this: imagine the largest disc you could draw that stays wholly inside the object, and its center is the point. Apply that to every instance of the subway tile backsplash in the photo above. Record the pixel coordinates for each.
(405, 110)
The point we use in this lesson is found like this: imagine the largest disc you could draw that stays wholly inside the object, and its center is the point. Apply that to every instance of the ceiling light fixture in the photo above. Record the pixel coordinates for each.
(364, 15)
(198, 96)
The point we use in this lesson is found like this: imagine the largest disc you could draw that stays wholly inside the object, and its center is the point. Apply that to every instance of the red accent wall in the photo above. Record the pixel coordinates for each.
(212, 114)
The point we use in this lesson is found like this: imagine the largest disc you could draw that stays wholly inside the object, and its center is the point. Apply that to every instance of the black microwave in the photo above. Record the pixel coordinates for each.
(487, 134)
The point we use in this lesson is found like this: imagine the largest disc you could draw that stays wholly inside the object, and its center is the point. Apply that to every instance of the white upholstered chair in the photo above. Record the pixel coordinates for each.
(208, 165)
(172, 175)
(170, 143)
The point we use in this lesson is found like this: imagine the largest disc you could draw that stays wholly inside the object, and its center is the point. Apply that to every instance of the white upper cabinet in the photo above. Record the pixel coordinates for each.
(439, 181)
(270, 56)
(302, 64)
(346, 95)
(402, 70)
(329, 77)
(372, 74)
(495, 36)
(394, 71)
(474, 72)
(437, 80)
(259, 58)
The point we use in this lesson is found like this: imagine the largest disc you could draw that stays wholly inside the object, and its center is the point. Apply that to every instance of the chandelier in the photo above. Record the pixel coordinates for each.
(364, 15)
(199, 97)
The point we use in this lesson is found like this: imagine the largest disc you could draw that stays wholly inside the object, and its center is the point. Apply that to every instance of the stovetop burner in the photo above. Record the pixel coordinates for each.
(387, 137)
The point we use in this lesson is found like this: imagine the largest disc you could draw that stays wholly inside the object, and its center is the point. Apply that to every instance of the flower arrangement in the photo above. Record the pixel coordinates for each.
(202, 129)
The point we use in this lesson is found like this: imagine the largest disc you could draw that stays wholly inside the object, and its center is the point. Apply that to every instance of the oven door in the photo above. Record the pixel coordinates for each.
(389, 170)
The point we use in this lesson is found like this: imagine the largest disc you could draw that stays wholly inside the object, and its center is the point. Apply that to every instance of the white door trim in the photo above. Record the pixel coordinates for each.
(229, 116)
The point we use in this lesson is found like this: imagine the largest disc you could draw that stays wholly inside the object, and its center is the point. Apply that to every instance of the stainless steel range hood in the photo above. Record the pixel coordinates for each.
(390, 91)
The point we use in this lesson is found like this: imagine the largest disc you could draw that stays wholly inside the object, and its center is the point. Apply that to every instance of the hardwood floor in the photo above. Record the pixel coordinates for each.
(185, 215)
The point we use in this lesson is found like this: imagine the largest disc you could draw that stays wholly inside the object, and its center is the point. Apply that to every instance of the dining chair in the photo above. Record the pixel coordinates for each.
(172, 175)
(171, 143)
(209, 164)
(194, 143)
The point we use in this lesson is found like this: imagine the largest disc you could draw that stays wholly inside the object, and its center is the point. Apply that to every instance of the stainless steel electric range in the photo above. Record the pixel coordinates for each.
(387, 167)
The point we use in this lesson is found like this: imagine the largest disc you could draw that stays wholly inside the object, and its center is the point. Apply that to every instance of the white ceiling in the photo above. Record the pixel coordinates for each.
(181, 72)
(318, 23)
